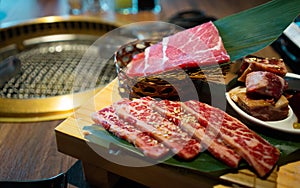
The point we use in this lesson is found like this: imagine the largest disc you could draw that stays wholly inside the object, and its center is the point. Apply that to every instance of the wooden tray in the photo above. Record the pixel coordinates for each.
(71, 141)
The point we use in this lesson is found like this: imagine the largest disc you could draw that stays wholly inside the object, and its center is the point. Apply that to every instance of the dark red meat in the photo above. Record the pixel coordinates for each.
(195, 47)
(265, 84)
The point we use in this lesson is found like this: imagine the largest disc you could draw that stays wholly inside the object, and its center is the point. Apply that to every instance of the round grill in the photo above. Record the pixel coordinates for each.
(51, 70)
(60, 67)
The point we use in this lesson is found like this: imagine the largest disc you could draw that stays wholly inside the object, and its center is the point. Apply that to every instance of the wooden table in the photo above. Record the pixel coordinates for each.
(29, 150)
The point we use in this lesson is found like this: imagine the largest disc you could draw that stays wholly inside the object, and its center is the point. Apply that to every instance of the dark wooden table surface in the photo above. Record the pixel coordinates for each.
(28, 150)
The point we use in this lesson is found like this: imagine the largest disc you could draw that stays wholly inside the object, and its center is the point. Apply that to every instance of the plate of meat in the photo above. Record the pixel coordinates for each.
(266, 95)
(285, 125)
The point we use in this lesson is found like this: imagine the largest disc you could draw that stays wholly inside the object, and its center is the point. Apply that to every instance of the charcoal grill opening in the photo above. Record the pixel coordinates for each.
(54, 68)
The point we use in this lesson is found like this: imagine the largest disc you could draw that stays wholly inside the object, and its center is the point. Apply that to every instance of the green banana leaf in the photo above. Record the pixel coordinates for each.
(243, 33)
(253, 29)
(289, 146)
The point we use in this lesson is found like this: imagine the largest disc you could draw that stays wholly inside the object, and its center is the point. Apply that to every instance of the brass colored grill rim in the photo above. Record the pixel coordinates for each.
(18, 39)
(18, 33)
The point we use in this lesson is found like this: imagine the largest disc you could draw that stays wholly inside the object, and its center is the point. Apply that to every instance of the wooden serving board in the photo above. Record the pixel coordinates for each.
(71, 140)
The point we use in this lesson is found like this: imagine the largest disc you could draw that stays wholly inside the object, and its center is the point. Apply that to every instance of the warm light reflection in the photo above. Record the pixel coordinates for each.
(49, 19)
(65, 102)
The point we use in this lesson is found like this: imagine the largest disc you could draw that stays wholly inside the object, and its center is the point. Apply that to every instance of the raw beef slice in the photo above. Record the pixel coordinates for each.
(258, 152)
(109, 120)
(195, 47)
(174, 112)
(140, 114)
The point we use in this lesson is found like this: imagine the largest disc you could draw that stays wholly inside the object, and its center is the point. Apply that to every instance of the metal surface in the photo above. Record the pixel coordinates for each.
(60, 68)
(9, 67)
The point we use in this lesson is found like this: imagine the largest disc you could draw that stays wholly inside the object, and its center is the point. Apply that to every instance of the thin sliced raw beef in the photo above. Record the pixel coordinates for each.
(140, 114)
(195, 47)
(173, 111)
(107, 118)
(259, 153)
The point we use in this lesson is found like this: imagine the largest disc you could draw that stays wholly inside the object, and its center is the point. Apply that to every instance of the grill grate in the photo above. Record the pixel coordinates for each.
(58, 68)
(61, 66)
